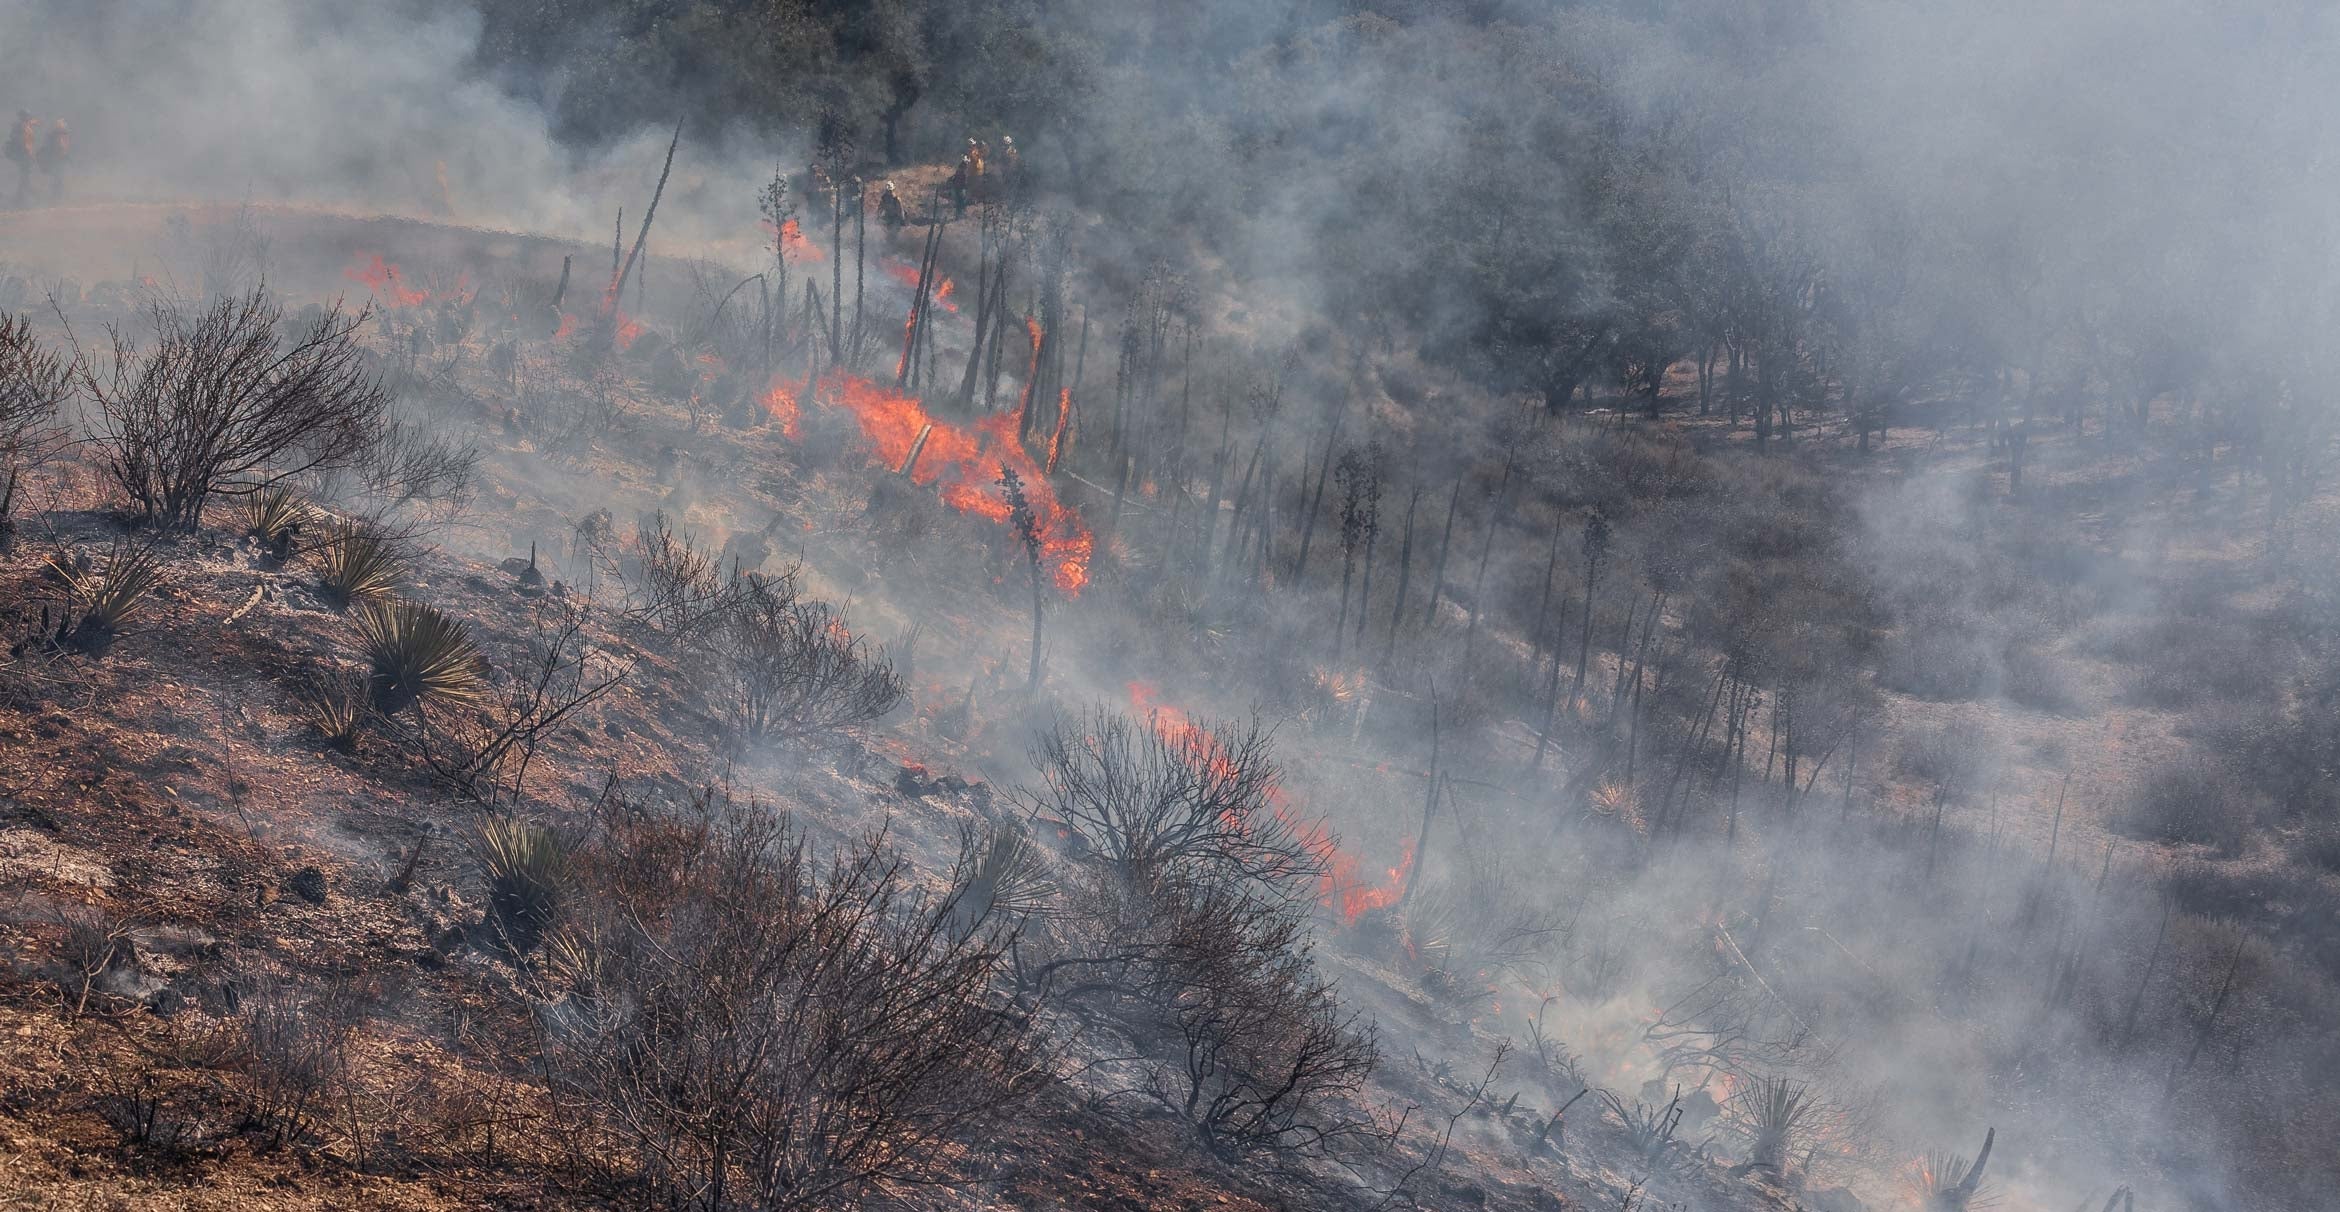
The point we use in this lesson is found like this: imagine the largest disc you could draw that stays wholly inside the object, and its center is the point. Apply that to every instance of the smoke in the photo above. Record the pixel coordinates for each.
(2108, 203)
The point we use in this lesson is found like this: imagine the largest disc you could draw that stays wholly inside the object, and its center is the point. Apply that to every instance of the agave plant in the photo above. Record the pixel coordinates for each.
(356, 564)
(335, 707)
(417, 653)
(527, 869)
(104, 596)
(274, 515)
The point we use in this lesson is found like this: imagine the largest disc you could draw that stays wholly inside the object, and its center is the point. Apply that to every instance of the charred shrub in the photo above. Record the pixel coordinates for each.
(34, 380)
(791, 669)
(753, 1027)
(528, 873)
(1184, 930)
(228, 401)
(2192, 800)
(357, 563)
(291, 1054)
(673, 585)
(1165, 801)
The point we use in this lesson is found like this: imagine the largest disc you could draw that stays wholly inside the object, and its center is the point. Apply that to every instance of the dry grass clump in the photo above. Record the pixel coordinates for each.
(334, 708)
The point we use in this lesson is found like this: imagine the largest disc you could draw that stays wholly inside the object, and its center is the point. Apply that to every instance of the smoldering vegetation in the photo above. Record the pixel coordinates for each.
(1518, 605)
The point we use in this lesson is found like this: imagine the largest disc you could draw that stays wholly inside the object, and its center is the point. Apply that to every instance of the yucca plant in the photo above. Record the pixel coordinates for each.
(1775, 1115)
(417, 653)
(1947, 1182)
(1000, 874)
(356, 564)
(527, 869)
(104, 596)
(274, 515)
(335, 707)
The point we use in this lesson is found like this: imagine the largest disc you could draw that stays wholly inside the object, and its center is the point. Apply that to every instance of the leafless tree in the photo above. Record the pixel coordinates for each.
(226, 402)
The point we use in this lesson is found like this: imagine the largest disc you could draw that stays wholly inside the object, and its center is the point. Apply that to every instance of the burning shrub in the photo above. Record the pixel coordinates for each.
(1947, 1182)
(357, 563)
(103, 598)
(417, 654)
(223, 404)
(794, 671)
(762, 1030)
(1169, 801)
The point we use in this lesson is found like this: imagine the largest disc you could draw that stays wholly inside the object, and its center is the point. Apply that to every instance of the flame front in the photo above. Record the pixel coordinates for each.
(1341, 886)
(962, 462)
(389, 286)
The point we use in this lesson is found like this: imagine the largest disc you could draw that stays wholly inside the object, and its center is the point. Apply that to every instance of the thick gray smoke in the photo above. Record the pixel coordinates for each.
(2104, 200)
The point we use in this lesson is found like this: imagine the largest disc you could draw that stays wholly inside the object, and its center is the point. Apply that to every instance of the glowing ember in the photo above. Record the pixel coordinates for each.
(793, 242)
(384, 280)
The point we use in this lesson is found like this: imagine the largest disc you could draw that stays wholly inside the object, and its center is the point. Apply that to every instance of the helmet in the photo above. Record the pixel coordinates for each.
(889, 187)
(1010, 140)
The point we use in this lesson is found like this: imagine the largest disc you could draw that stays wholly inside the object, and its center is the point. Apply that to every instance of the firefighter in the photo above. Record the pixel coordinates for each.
(24, 144)
(960, 178)
(56, 151)
(1008, 160)
(890, 207)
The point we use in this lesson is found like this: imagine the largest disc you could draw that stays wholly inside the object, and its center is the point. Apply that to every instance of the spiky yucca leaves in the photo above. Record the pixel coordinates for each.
(274, 515)
(1776, 1115)
(335, 707)
(999, 874)
(417, 654)
(356, 564)
(528, 871)
(107, 595)
(1943, 1181)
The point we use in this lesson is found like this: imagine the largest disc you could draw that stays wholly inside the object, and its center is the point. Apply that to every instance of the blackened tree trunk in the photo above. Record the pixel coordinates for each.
(1445, 541)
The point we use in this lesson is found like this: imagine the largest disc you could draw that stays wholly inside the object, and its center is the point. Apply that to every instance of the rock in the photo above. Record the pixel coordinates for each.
(911, 781)
(308, 883)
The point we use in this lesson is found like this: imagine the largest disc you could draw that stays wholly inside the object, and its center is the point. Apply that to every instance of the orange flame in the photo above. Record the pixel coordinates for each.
(780, 401)
(1063, 421)
(1340, 887)
(963, 463)
(792, 240)
(386, 282)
